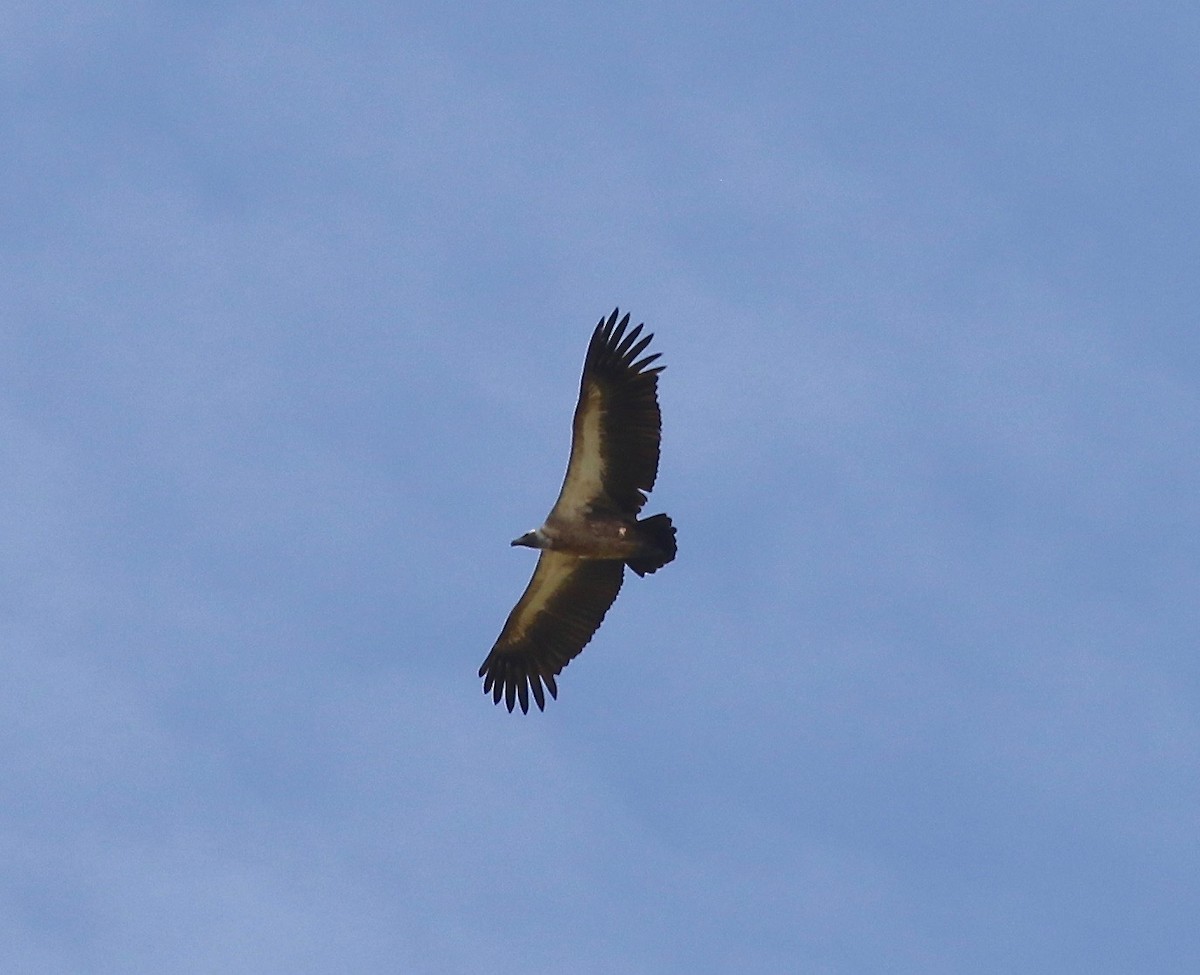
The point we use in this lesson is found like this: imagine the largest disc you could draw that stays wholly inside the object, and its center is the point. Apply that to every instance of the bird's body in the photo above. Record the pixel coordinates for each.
(592, 537)
(593, 530)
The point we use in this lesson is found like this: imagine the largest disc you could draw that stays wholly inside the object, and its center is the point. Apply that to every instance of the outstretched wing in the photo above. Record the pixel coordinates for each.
(562, 607)
(614, 448)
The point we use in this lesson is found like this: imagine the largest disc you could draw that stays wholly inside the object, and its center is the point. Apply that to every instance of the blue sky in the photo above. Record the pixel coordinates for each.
(295, 298)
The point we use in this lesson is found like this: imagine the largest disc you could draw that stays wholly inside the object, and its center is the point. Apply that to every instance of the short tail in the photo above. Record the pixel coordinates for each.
(659, 535)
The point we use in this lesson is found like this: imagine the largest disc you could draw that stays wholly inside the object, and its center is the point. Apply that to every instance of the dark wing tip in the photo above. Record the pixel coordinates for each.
(641, 365)
(606, 326)
(511, 680)
(613, 353)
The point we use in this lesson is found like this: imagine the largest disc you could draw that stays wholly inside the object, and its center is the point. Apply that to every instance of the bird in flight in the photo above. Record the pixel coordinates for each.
(593, 530)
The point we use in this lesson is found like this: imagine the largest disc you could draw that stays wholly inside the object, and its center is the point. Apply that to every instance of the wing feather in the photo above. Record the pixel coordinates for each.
(561, 609)
(618, 425)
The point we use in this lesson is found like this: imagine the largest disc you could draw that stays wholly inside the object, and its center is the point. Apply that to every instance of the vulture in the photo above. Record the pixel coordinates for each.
(593, 531)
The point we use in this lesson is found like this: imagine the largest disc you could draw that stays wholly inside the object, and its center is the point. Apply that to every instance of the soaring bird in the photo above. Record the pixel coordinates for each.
(593, 530)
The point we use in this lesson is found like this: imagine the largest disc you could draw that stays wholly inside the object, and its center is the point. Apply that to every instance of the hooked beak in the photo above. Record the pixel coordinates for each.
(529, 539)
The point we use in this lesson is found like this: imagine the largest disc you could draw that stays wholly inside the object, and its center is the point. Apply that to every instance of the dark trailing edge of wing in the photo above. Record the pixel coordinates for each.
(631, 422)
